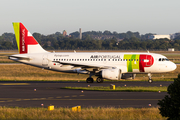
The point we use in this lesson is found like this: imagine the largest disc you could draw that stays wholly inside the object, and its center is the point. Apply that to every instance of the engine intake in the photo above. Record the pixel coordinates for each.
(111, 74)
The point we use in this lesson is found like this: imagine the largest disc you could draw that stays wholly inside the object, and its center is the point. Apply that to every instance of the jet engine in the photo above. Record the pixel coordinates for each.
(111, 74)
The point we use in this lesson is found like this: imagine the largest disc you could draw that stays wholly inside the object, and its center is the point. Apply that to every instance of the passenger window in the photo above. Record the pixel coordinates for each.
(104, 59)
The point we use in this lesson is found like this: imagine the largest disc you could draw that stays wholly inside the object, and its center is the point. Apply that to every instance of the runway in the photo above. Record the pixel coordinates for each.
(33, 94)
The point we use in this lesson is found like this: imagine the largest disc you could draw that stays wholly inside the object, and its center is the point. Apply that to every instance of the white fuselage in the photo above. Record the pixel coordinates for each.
(127, 62)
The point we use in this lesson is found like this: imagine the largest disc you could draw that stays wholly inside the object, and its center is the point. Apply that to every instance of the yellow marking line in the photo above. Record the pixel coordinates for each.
(59, 97)
(50, 97)
(74, 96)
(66, 96)
(34, 99)
(107, 99)
(42, 98)
(26, 99)
(7, 99)
(14, 84)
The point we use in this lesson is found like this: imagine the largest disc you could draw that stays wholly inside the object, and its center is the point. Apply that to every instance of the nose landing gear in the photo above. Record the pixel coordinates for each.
(150, 79)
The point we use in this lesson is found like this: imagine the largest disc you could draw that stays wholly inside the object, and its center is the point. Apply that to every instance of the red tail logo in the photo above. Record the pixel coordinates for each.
(25, 39)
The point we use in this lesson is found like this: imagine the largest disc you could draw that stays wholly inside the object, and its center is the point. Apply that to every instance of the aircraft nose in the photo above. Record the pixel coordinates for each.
(173, 66)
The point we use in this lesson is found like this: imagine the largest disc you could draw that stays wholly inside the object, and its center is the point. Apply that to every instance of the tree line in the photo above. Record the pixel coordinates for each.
(118, 41)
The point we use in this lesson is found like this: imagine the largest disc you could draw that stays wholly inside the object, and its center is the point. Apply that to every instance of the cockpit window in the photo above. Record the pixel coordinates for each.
(163, 59)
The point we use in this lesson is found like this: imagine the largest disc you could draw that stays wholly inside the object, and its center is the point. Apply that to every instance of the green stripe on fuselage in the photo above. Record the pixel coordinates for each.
(132, 62)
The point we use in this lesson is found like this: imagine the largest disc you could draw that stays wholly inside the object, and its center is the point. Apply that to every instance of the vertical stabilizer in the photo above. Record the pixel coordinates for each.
(25, 41)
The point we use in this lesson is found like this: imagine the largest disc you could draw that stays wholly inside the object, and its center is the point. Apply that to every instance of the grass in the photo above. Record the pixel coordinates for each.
(98, 113)
(21, 72)
(124, 89)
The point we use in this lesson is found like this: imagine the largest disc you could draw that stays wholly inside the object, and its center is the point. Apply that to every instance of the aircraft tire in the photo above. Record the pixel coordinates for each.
(89, 80)
(150, 80)
(99, 80)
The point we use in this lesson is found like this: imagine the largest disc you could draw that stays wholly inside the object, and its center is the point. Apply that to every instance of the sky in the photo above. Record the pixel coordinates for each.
(50, 16)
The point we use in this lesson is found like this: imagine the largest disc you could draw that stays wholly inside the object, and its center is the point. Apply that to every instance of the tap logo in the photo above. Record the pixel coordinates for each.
(23, 40)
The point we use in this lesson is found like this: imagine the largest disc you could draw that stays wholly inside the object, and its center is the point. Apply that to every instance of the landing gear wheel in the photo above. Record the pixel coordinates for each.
(99, 80)
(89, 80)
(150, 80)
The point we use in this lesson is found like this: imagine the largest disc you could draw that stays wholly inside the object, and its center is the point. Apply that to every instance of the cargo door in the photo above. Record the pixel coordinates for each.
(45, 61)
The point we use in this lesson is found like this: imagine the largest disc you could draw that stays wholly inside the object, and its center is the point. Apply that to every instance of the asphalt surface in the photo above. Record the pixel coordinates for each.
(34, 94)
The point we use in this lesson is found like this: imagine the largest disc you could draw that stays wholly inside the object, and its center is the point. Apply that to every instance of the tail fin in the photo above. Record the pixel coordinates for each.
(25, 41)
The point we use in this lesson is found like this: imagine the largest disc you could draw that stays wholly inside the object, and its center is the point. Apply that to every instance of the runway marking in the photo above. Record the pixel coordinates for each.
(59, 97)
(26, 99)
(34, 99)
(42, 98)
(5, 98)
(74, 96)
(109, 99)
(14, 84)
(50, 97)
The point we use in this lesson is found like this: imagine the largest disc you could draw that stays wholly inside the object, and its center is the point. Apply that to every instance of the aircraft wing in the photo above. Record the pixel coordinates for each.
(85, 66)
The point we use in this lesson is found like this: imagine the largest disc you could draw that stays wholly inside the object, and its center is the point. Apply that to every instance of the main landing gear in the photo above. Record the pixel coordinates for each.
(150, 79)
(89, 80)
(99, 80)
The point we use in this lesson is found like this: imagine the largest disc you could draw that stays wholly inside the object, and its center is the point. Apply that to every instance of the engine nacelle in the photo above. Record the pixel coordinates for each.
(111, 74)
(128, 76)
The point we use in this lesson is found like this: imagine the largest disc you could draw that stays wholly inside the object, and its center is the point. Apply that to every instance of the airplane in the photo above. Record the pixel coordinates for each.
(105, 65)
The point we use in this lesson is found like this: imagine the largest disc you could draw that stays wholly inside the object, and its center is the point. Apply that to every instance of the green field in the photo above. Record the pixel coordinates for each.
(99, 113)
(122, 89)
